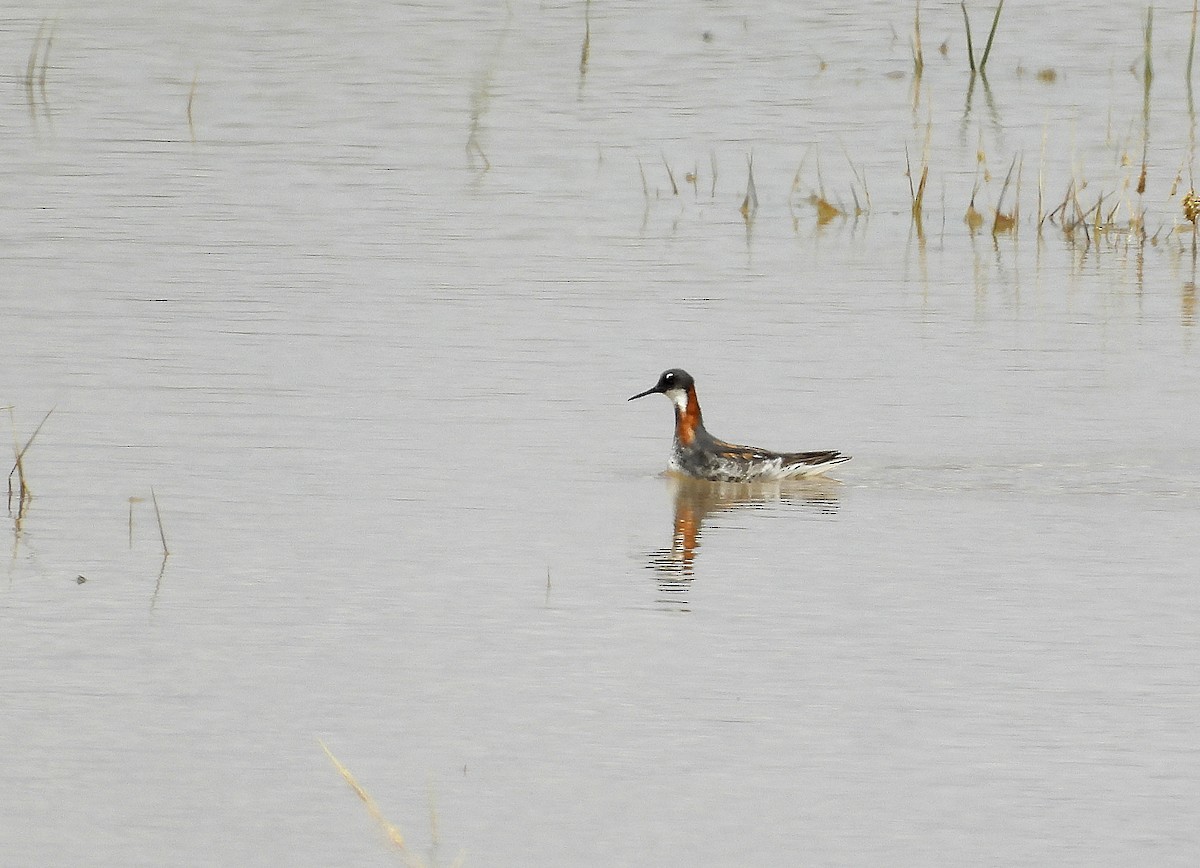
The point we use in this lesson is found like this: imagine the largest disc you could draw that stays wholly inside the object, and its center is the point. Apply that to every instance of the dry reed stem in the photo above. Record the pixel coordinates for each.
(1002, 222)
(916, 194)
(861, 178)
(918, 55)
(671, 175)
(1147, 39)
(19, 465)
(1147, 78)
(1041, 216)
(1192, 43)
(393, 834)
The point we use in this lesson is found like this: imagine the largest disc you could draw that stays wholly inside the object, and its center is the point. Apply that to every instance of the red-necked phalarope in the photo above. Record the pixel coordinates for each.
(697, 453)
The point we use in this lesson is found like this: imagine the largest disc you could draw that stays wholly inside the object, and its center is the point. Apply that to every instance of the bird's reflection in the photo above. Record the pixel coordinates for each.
(697, 499)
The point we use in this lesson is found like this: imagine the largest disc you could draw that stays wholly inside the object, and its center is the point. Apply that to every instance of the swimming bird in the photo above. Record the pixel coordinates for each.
(695, 452)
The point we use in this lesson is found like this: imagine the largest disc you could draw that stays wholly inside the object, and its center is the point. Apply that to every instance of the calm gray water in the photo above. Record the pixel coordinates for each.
(366, 325)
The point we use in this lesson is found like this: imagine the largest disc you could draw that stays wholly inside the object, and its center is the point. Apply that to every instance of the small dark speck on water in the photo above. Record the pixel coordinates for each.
(79, 580)
(707, 36)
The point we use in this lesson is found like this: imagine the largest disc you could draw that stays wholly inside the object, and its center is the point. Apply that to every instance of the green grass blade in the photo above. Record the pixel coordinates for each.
(987, 49)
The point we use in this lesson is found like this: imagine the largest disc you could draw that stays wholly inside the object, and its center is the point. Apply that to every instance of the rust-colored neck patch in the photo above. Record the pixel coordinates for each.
(687, 418)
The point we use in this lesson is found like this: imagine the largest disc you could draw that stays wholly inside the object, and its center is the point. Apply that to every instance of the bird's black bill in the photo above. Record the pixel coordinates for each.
(650, 391)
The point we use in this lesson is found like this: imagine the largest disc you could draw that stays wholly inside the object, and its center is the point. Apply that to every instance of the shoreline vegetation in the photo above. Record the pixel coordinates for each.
(1129, 208)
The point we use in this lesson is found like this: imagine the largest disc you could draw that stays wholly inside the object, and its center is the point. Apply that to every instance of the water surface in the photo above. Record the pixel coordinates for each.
(366, 324)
